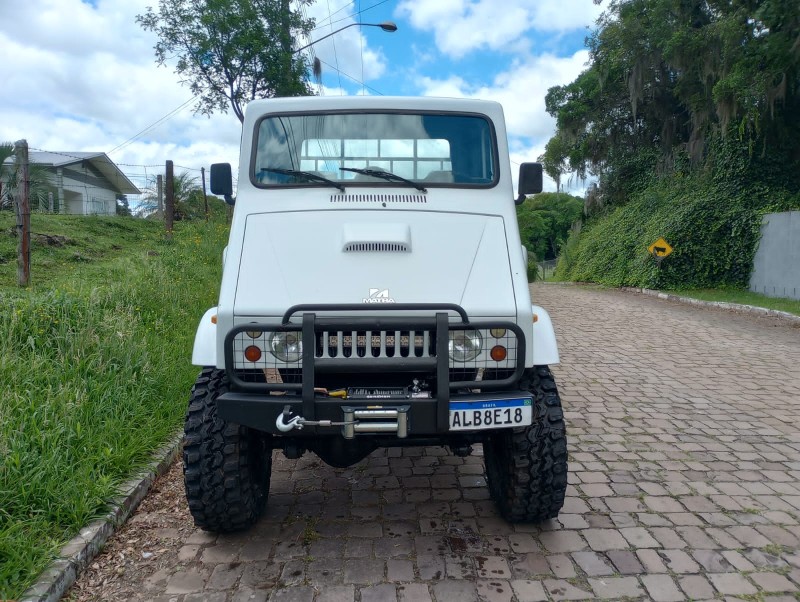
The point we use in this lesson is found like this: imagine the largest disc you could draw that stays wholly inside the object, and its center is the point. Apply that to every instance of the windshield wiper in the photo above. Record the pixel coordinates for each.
(385, 175)
(304, 174)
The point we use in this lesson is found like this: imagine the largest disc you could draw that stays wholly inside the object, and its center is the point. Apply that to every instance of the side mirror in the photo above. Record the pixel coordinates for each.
(222, 181)
(530, 180)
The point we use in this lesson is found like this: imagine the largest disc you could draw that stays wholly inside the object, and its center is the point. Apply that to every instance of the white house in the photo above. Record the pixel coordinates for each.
(84, 183)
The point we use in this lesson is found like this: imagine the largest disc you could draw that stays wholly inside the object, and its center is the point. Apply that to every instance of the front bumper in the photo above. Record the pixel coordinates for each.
(257, 404)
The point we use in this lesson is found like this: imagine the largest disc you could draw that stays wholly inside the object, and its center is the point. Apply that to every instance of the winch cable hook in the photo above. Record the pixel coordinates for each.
(294, 423)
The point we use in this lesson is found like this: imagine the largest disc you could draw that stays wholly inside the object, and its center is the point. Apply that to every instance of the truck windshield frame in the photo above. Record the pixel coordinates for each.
(435, 149)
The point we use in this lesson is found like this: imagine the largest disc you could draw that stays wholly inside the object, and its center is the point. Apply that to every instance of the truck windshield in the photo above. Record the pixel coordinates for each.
(432, 149)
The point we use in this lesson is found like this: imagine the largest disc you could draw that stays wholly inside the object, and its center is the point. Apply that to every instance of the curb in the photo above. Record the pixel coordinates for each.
(738, 307)
(84, 547)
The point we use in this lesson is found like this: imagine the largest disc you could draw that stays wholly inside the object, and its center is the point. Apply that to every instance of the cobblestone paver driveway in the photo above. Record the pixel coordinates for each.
(684, 484)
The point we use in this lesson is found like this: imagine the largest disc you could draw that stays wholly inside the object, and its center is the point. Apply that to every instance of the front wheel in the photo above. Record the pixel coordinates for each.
(526, 468)
(226, 466)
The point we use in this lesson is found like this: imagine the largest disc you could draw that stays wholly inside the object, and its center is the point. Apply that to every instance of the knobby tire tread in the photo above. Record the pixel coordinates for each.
(226, 466)
(526, 468)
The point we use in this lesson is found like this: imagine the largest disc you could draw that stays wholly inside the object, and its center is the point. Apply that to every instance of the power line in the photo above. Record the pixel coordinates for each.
(150, 127)
(350, 16)
(361, 44)
(335, 54)
(355, 79)
(338, 71)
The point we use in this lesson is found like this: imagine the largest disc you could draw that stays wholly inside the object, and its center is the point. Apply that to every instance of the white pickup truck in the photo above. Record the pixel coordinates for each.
(374, 294)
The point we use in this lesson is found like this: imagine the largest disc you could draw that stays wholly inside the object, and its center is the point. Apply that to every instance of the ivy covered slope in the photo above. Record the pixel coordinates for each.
(688, 116)
(711, 218)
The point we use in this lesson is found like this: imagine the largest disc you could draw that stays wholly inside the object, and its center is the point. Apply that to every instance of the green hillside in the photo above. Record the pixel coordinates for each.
(94, 368)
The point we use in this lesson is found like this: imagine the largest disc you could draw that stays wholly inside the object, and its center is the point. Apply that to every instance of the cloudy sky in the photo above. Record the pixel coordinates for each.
(80, 75)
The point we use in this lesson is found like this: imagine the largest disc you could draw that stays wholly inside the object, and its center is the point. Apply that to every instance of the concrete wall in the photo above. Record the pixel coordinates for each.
(776, 268)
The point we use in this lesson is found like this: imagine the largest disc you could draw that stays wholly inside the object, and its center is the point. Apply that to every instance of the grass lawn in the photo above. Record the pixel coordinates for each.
(94, 368)
(743, 297)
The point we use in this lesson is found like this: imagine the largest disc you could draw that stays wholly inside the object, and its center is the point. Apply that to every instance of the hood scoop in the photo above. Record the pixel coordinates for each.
(377, 237)
(378, 198)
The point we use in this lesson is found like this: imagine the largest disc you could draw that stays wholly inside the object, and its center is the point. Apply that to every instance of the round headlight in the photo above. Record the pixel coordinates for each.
(286, 346)
(464, 345)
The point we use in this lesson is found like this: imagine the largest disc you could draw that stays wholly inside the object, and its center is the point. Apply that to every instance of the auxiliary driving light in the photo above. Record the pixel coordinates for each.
(252, 353)
(464, 345)
(286, 346)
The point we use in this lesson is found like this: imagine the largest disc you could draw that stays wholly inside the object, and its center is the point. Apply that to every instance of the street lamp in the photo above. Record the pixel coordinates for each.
(385, 26)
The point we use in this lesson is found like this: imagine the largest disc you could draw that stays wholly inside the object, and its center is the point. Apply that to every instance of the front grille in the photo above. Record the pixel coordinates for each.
(368, 343)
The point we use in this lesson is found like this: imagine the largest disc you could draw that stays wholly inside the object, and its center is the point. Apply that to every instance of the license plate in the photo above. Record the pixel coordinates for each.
(490, 414)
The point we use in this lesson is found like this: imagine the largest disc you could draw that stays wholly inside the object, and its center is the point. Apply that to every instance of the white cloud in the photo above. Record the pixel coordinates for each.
(462, 26)
(78, 78)
(83, 78)
(521, 91)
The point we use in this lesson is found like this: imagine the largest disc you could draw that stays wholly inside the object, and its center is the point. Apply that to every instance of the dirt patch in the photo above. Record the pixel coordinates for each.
(139, 549)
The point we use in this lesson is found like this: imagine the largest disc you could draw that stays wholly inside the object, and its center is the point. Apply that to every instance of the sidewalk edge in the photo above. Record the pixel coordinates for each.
(76, 555)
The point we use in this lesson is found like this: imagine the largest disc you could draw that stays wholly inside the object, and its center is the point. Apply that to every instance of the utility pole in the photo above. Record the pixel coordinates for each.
(205, 197)
(22, 212)
(170, 199)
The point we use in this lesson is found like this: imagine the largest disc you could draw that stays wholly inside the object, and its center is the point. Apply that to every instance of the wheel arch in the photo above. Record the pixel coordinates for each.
(545, 347)
(204, 352)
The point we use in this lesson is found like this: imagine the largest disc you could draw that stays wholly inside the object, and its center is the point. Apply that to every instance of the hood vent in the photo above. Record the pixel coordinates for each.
(387, 247)
(378, 198)
(383, 237)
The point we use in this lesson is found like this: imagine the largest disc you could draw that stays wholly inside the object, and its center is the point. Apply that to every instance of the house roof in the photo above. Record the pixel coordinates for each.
(99, 161)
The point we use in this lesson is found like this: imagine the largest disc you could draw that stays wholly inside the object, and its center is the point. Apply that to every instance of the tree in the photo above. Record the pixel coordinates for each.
(232, 51)
(188, 199)
(38, 181)
(555, 159)
(545, 220)
(672, 79)
(123, 206)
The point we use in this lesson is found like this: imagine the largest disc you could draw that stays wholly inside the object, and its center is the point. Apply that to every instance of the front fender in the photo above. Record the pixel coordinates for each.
(545, 347)
(204, 352)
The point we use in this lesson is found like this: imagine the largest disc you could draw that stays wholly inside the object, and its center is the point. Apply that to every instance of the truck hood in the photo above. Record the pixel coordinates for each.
(376, 258)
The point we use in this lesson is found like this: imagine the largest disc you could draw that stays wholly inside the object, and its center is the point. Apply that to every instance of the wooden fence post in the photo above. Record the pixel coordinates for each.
(22, 211)
(205, 197)
(160, 195)
(169, 201)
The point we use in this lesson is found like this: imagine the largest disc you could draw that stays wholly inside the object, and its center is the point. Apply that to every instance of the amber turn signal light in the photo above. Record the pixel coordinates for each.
(252, 353)
(498, 353)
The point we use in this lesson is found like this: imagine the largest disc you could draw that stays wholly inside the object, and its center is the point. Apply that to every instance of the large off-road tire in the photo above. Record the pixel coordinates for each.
(226, 466)
(526, 468)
